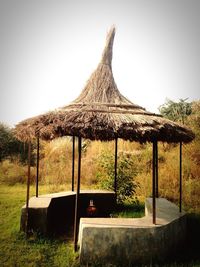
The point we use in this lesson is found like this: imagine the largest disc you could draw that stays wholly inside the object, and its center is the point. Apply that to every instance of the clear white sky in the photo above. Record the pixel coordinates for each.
(48, 49)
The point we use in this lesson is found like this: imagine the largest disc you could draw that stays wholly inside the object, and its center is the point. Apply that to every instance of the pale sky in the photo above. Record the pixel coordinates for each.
(49, 48)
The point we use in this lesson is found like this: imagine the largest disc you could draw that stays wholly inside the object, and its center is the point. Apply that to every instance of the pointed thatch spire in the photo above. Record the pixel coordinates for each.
(107, 52)
(101, 86)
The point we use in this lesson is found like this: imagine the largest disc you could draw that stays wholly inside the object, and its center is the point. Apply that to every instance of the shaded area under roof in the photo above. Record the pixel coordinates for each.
(101, 112)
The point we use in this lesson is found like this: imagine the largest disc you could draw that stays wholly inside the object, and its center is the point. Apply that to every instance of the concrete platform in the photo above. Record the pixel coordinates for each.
(53, 214)
(125, 241)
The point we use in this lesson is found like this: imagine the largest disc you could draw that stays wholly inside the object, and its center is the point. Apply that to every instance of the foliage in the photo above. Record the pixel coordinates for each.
(126, 171)
(194, 119)
(9, 145)
(176, 111)
(11, 148)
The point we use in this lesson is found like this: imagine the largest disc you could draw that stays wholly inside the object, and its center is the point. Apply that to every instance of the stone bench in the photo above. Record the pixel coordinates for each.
(132, 240)
(54, 213)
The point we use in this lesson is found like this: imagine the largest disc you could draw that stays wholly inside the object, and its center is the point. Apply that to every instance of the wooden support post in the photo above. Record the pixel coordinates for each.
(180, 179)
(28, 188)
(76, 219)
(154, 183)
(37, 166)
(115, 181)
(156, 167)
(73, 159)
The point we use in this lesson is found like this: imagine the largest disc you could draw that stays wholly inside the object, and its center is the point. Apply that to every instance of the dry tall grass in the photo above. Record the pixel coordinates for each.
(56, 162)
(55, 168)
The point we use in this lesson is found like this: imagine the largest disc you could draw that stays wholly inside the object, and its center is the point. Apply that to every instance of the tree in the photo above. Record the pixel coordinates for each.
(9, 145)
(127, 170)
(176, 111)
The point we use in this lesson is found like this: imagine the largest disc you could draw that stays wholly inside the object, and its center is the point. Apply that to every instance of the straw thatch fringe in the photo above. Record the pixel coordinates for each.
(104, 126)
(101, 112)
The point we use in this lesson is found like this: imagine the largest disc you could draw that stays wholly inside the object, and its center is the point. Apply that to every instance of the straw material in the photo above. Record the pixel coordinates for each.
(102, 113)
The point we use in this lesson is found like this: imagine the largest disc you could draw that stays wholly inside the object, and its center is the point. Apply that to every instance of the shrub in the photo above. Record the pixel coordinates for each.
(11, 148)
(126, 171)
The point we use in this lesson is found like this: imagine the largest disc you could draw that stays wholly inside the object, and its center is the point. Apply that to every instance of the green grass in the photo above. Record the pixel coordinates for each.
(16, 250)
(129, 210)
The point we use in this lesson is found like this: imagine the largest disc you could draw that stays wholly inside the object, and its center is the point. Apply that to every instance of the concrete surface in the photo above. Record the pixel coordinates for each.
(126, 241)
(52, 214)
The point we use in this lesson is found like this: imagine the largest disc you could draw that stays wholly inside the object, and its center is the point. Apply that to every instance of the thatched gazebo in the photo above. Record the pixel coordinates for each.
(101, 112)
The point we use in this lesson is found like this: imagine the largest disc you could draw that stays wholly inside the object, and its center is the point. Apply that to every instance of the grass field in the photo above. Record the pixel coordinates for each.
(16, 250)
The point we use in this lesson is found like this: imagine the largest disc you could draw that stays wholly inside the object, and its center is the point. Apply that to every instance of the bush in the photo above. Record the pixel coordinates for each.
(10, 147)
(126, 171)
(12, 173)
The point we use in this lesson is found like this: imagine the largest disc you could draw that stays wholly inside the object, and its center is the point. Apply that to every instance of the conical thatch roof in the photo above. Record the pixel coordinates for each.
(102, 113)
